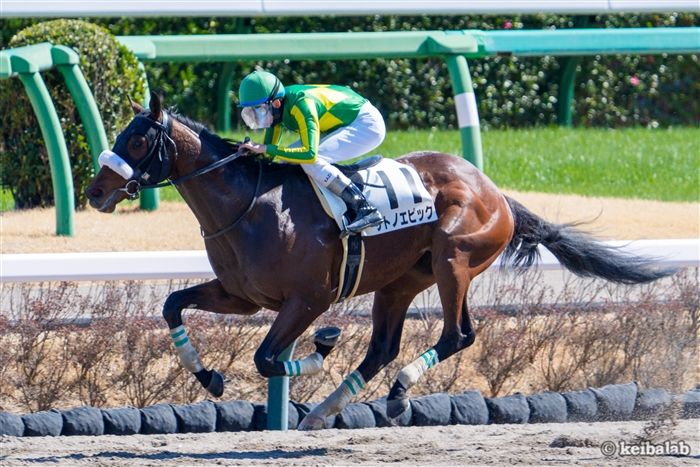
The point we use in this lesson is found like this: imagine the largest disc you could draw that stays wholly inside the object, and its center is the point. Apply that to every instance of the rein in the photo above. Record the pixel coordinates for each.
(248, 209)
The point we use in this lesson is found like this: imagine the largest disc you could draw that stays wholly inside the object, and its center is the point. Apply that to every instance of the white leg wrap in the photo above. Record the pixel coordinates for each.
(411, 373)
(188, 355)
(338, 399)
(306, 366)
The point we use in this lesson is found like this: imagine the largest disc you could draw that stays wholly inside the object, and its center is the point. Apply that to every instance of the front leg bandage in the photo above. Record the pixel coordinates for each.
(188, 355)
(306, 366)
(341, 397)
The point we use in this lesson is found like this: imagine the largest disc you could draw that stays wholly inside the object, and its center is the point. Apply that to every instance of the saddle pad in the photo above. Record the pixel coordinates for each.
(395, 189)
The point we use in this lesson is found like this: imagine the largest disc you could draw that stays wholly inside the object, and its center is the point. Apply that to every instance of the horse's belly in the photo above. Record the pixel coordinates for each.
(389, 257)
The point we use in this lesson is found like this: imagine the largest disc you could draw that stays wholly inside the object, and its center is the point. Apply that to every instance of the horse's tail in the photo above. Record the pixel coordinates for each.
(575, 250)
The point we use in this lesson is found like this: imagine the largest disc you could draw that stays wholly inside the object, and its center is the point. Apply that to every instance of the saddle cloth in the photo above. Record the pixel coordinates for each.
(394, 188)
(399, 194)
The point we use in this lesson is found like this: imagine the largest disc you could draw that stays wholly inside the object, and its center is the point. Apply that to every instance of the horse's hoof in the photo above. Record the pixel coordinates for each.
(311, 422)
(327, 336)
(216, 385)
(396, 407)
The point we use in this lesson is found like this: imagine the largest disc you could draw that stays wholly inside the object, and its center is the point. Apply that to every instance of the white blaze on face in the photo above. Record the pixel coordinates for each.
(117, 164)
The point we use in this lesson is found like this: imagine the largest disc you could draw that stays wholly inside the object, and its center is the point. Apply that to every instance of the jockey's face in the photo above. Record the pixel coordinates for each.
(258, 117)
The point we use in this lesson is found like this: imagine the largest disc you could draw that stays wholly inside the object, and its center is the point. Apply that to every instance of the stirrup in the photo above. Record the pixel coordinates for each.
(372, 219)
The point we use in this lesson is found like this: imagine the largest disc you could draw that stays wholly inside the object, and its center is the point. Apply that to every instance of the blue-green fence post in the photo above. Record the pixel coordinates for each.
(223, 97)
(278, 396)
(59, 164)
(27, 62)
(567, 83)
(67, 60)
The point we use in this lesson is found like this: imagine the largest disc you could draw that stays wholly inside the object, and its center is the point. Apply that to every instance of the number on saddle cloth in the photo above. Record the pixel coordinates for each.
(394, 188)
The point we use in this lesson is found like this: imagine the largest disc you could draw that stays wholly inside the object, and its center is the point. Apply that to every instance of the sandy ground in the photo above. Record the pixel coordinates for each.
(173, 227)
(448, 445)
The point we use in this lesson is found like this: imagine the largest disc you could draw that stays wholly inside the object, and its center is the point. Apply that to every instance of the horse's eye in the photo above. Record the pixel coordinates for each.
(138, 146)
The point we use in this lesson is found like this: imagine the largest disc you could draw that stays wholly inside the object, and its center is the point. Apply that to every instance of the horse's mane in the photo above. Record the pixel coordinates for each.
(188, 122)
(221, 146)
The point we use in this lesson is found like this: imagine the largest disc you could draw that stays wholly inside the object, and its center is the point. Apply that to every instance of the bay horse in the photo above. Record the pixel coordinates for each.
(271, 245)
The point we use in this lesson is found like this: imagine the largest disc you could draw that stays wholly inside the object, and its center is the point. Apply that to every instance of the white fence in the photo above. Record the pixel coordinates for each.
(141, 265)
(248, 8)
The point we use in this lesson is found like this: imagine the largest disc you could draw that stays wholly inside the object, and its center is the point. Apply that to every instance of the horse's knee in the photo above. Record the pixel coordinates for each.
(267, 365)
(172, 310)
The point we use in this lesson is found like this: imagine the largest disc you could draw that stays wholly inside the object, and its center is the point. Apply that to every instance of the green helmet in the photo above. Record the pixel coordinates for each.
(259, 87)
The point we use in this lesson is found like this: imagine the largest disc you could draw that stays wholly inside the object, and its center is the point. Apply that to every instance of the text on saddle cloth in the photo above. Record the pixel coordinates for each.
(395, 189)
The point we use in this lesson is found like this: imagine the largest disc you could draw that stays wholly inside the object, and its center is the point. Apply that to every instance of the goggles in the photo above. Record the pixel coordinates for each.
(257, 117)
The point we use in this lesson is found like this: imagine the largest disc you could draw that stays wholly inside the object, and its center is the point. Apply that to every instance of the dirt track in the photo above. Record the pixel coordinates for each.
(445, 445)
(173, 226)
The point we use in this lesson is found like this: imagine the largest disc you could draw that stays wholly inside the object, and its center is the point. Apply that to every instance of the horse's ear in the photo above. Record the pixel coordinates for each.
(154, 106)
(135, 106)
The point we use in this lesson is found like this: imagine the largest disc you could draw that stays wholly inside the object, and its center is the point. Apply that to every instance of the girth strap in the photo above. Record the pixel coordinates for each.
(352, 273)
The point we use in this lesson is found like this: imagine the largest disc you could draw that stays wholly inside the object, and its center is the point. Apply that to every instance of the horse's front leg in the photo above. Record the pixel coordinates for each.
(209, 296)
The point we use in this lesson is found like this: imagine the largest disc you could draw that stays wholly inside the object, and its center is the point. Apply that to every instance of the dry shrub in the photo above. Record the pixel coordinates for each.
(37, 340)
(64, 344)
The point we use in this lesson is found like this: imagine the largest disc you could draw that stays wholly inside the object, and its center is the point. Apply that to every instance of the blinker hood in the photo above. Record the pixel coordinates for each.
(155, 166)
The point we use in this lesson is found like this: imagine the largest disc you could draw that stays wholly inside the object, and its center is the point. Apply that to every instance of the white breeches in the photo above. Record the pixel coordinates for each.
(364, 134)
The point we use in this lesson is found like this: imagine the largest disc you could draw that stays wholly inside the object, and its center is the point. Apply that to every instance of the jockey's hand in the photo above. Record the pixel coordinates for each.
(253, 148)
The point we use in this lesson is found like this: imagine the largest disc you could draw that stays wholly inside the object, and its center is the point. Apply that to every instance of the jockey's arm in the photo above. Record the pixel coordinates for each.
(273, 134)
(306, 117)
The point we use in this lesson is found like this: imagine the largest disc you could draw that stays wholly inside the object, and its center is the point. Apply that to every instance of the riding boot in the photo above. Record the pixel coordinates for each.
(361, 214)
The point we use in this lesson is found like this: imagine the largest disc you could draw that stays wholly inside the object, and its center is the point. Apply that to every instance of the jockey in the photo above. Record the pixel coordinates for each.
(334, 124)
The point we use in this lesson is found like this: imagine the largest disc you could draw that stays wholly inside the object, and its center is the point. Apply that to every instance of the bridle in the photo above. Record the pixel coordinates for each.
(158, 160)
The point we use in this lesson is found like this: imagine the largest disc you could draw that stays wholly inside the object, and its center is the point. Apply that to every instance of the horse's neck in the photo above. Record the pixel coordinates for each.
(216, 198)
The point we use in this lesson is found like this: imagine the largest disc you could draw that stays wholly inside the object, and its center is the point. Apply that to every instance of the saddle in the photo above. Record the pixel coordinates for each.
(362, 164)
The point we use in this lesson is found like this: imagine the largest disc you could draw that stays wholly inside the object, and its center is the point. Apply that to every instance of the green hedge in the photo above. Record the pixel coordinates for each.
(512, 92)
(112, 74)
(612, 91)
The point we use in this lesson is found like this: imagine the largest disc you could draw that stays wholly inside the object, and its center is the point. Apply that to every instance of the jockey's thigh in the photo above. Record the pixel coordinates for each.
(358, 138)
(364, 134)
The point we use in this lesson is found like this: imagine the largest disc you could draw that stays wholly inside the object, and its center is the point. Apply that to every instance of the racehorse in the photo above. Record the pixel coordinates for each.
(271, 245)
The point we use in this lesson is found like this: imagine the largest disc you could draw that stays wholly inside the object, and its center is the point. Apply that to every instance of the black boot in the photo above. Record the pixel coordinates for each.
(362, 215)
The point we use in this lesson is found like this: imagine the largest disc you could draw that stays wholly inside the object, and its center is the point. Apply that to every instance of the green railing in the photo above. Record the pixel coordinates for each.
(454, 46)
(27, 63)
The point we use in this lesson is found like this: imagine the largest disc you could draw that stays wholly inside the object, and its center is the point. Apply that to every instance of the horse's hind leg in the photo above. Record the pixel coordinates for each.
(388, 315)
(456, 259)
(209, 296)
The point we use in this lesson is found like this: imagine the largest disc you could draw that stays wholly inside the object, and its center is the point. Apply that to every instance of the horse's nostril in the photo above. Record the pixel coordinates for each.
(94, 193)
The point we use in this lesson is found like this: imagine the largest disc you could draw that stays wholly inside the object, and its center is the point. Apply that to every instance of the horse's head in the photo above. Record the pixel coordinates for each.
(143, 154)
